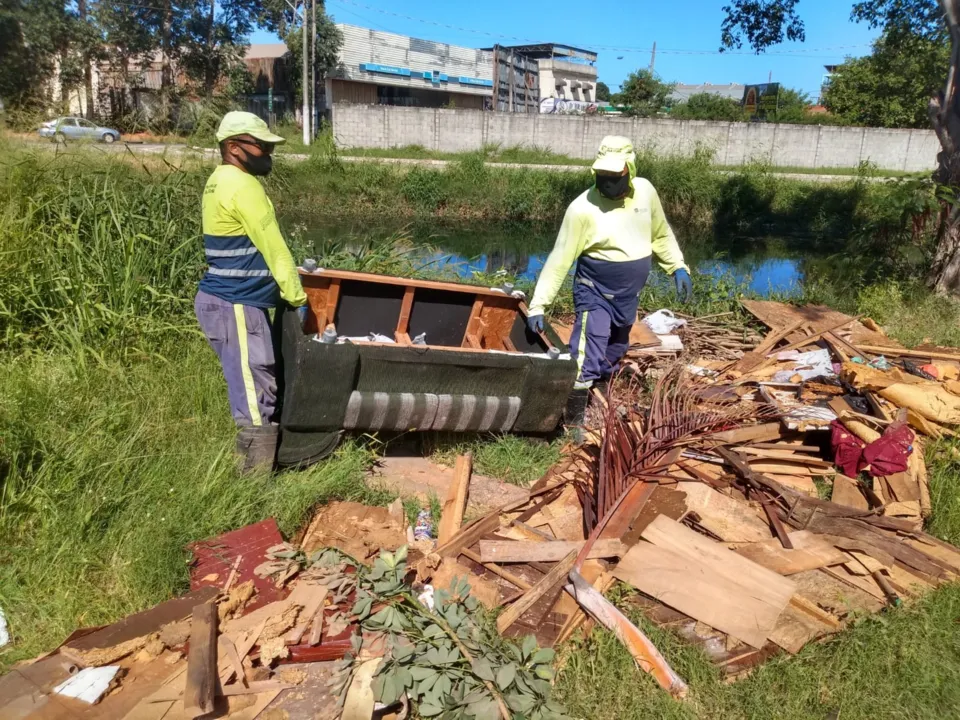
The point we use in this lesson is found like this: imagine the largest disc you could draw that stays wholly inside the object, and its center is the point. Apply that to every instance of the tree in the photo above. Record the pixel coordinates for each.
(708, 106)
(643, 94)
(603, 91)
(890, 87)
(214, 38)
(36, 44)
(791, 107)
(765, 22)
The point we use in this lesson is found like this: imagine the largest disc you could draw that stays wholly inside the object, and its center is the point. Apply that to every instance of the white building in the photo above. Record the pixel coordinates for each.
(566, 73)
(387, 69)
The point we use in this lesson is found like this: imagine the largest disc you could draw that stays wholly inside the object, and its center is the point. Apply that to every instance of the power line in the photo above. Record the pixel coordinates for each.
(803, 52)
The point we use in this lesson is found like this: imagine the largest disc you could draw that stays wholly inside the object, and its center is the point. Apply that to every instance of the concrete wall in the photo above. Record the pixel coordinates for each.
(809, 146)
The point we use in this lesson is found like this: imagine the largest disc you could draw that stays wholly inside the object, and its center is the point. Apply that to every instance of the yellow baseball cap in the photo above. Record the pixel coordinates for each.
(615, 154)
(244, 123)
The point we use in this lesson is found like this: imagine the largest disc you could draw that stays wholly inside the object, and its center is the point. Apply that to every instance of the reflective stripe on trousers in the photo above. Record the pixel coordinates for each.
(241, 336)
(597, 344)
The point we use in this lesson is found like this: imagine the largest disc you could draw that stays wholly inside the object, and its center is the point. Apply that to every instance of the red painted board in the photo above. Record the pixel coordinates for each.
(216, 555)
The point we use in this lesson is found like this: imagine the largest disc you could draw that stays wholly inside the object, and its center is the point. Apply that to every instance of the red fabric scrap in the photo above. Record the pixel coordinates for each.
(847, 450)
(888, 454)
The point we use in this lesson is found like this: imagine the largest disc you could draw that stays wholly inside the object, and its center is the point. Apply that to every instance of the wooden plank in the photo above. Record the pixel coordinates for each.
(313, 604)
(904, 352)
(333, 298)
(456, 502)
(785, 467)
(471, 337)
(511, 551)
(766, 584)
(751, 433)
(694, 588)
(903, 486)
(510, 577)
(546, 584)
(406, 305)
(728, 519)
(783, 454)
(810, 339)
(198, 694)
(810, 551)
(846, 492)
(496, 321)
(226, 647)
(801, 603)
(320, 277)
(644, 652)
(469, 535)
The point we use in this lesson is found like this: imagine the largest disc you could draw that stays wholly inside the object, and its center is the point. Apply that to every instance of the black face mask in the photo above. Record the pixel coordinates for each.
(261, 165)
(613, 186)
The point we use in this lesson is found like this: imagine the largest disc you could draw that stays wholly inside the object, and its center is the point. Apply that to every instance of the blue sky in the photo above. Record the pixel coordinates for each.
(622, 34)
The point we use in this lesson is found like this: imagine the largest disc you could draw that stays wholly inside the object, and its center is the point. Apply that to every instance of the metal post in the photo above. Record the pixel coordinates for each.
(653, 57)
(313, 68)
(305, 84)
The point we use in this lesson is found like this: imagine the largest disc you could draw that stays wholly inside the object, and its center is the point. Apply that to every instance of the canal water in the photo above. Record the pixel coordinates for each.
(766, 265)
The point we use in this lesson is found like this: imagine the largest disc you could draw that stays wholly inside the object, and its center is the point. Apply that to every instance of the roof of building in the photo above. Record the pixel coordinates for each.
(546, 50)
(266, 50)
(681, 92)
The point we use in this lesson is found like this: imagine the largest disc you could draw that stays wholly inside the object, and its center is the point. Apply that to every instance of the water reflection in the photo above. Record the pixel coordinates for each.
(766, 265)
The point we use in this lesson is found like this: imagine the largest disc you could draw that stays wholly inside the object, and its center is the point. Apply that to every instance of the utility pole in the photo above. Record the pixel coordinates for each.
(770, 76)
(305, 83)
(87, 61)
(653, 57)
(313, 68)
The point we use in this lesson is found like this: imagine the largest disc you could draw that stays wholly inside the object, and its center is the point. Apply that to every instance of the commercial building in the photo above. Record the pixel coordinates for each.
(382, 68)
(566, 73)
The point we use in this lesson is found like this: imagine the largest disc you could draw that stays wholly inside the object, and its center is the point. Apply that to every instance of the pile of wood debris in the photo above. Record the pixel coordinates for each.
(709, 499)
(706, 496)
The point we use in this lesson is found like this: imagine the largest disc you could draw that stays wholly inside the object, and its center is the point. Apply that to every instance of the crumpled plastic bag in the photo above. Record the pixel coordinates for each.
(815, 363)
(663, 322)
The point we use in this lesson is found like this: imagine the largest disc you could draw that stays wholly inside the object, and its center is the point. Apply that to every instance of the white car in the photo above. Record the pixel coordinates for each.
(74, 128)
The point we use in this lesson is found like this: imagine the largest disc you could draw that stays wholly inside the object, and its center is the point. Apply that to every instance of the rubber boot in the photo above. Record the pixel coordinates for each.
(257, 448)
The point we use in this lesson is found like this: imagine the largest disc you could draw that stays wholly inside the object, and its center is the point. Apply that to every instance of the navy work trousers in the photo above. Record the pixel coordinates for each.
(242, 338)
(597, 344)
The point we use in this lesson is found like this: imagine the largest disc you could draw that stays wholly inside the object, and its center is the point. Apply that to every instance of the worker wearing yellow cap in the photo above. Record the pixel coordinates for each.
(610, 231)
(249, 271)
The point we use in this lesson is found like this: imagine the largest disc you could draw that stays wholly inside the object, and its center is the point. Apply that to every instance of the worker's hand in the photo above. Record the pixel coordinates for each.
(535, 323)
(684, 285)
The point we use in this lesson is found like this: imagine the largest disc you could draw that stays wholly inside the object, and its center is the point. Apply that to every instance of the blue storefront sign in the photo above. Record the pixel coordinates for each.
(387, 69)
(474, 81)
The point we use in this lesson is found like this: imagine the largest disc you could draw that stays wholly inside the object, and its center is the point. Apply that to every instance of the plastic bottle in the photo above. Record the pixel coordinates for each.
(329, 336)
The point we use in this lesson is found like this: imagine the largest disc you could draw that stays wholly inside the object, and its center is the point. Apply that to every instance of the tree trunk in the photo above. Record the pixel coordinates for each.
(210, 78)
(87, 69)
(166, 79)
(944, 276)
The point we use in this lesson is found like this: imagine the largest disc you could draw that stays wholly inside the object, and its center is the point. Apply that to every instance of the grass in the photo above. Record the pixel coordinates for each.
(516, 460)
(116, 441)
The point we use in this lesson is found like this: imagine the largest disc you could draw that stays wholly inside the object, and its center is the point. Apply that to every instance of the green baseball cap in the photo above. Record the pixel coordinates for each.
(244, 123)
(615, 154)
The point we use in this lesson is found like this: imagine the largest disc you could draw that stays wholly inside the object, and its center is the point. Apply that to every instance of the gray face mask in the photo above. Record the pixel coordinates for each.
(613, 187)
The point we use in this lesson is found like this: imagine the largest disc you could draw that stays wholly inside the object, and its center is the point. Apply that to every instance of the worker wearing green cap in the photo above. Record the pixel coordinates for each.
(610, 232)
(249, 271)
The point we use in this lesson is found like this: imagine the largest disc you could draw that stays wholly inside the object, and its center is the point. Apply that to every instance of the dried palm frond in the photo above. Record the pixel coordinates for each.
(638, 447)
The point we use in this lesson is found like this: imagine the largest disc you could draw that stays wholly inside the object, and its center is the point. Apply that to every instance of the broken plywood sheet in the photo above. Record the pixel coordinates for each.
(795, 628)
(832, 595)
(810, 551)
(730, 520)
(664, 501)
(418, 477)
(777, 315)
(128, 635)
(358, 530)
